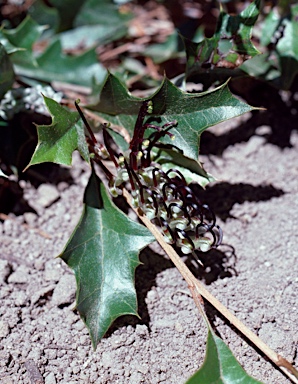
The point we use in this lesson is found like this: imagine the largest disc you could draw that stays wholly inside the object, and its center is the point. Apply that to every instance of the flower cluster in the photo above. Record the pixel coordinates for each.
(164, 197)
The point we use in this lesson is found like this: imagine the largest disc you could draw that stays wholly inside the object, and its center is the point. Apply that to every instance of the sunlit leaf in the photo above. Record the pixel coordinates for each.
(194, 112)
(220, 366)
(56, 142)
(103, 253)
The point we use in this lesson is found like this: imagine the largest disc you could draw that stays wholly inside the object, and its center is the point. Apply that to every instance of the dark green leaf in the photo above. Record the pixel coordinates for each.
(122, 144)
(19, 41)
(220, 366)
(279, 65)
(44, 15)
(238, 29)
(216, 59)
(53, 64)
(97, 22)
(56, 142)
(192, 170)
(103, 253)
(6, 72)
(194, 112)
(67, 10)
(101, 13)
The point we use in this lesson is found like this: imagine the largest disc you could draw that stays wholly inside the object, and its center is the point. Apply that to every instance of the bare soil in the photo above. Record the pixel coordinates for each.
(254, 273)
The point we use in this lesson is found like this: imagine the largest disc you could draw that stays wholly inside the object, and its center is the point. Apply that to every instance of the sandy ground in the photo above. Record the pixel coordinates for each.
(42, 340)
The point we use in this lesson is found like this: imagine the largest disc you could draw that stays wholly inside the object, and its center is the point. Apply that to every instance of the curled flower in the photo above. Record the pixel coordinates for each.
(164, 197)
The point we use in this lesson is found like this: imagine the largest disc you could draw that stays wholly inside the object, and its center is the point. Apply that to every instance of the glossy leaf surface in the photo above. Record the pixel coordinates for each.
(103, 253)
(194, 112)
(220, 366)
(56, 142)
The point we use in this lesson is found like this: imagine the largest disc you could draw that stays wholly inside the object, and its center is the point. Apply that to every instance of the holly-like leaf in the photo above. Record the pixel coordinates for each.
(194, 112)
(56, 142)
(279, 65)
(220, 365)
(52, 64)
(19, 41)
(103, 253)
(98, 22)
(6, 72)
(192, 170)
(67, 11)
(217, 58)
(238, 29)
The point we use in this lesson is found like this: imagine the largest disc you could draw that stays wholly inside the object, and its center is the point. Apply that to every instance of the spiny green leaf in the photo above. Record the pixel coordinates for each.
(192, 170)
(217, 58)
(19, 41)
(25, 34)
(78, 22)
(6, 72)
(279, 66)
(238, 29)
(103, 253)
(56, 142)
(67, 10)
(97, 22)
(220, 366)
(53, 64)
(194, 112)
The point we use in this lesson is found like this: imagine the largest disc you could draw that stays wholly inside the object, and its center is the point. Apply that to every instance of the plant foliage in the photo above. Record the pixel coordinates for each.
(161, 159)
(216, 59)
(220, 365)
(195, 112)
(103, 252)
(278, 63)
(52, 64)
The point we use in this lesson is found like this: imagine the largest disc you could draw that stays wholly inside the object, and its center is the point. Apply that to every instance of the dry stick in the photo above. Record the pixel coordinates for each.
(195, 285)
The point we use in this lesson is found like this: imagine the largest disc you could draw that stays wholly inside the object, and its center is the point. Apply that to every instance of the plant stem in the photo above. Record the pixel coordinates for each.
(196, 286)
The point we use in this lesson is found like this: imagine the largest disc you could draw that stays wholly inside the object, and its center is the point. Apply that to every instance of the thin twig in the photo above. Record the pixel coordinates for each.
(195, 285)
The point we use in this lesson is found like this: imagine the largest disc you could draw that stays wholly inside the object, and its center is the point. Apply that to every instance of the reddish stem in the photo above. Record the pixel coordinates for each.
(85, 122)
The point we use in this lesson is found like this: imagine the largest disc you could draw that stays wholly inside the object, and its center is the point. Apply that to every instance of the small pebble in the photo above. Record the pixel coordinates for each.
(4, 329)
(47, 195)
(64, 292)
